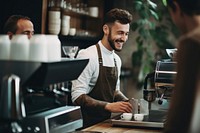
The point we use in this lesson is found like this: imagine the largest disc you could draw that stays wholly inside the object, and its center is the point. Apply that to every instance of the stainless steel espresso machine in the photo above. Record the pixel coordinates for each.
(158, 86)
(27, 102)
(163, 82)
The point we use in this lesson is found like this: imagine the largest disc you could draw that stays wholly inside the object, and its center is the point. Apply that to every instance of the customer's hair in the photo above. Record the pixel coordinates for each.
(190, 7)
(11, 23)
(120, 15)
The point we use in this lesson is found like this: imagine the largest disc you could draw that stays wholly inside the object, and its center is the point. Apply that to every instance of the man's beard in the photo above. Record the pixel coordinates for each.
(112, 43)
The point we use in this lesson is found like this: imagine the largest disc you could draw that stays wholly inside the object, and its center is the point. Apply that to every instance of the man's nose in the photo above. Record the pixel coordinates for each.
(124, 37)
(29, 36)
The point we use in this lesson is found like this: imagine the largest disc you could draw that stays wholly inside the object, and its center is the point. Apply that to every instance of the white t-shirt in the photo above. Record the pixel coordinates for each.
(87, 80)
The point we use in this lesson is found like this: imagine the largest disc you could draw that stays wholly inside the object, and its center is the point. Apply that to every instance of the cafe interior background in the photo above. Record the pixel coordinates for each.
(151, 32)
(155, 17)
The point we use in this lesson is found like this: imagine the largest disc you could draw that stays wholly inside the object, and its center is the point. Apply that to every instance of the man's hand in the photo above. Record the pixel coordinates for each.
(119, 107)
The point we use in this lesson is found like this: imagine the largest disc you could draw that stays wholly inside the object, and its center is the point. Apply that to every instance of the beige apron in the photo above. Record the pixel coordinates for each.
(103, 90)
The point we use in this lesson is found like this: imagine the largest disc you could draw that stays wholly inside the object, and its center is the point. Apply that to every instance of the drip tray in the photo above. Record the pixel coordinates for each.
(155, 119)
(86, 132)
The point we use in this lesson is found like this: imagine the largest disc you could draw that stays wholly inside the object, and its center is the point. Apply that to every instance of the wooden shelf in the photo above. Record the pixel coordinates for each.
(81, 41)
(88, 28)
(75, 14)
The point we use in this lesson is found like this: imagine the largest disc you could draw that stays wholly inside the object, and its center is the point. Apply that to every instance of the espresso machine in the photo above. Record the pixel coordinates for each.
(160, 89)
(29, 103)
(158, 86)
(163, 82)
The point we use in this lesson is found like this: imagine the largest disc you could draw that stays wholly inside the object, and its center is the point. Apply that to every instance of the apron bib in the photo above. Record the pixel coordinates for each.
(103, 90)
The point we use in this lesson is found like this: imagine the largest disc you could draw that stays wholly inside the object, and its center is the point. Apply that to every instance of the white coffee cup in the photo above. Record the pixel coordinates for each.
(38, 48)
(65, 17)
(138, 117)
(4, 47)
(54, 29)
(94, 11)
(126, 116)
(54, 14)
(72, 31)
(19, 48)
(65, 26)
(65, 30)
(53, 48)
(55, 21)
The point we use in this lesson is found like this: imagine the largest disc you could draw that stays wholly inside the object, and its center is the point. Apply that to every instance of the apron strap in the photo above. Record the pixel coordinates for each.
(99, 55)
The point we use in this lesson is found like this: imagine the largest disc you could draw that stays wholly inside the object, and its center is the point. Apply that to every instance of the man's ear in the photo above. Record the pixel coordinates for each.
(106, 29)
(10, 34)
(178, 9)
(177, 13)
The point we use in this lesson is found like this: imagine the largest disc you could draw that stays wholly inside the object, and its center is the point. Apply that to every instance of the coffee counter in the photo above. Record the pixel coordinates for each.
(106, 127)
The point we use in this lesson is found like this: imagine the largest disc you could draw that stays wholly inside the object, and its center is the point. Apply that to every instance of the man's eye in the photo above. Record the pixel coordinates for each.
(25, 32)
(28, 33)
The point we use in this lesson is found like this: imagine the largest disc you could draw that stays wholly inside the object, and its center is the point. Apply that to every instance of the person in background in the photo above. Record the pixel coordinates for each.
(18, 24)
(183, 116)
(97, 90)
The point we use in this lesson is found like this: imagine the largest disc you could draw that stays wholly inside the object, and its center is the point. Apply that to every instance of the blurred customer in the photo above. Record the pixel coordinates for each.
(97, 89)
(18, 24)
(184, 103)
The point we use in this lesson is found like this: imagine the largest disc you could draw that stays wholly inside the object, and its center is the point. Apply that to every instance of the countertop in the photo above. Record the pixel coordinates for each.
(106, 127)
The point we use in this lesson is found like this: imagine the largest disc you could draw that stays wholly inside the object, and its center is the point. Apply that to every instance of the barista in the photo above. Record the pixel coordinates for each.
(18, 24)
(97, 90)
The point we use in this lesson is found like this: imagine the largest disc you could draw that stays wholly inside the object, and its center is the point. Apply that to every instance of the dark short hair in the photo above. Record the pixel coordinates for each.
(116, 14)
(11, 23)
(190, 7)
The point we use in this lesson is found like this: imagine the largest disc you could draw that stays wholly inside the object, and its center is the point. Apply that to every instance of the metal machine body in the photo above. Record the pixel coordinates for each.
(163, 80)
(44, 113)
(59, 120)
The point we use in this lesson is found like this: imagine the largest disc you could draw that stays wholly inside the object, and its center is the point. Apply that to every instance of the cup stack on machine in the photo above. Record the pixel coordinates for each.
(40, 47)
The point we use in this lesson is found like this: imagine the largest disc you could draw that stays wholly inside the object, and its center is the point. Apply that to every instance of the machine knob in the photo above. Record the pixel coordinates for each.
(160, 101)
(32, 129)
(36, 130)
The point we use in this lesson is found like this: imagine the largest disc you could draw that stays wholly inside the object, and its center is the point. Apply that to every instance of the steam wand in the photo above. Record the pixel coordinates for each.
(160, 101)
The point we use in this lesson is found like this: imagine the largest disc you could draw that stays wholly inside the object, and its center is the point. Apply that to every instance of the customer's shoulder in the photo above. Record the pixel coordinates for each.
(193, 36)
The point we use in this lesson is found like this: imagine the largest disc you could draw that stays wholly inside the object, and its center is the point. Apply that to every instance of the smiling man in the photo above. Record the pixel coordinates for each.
(97, 90)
